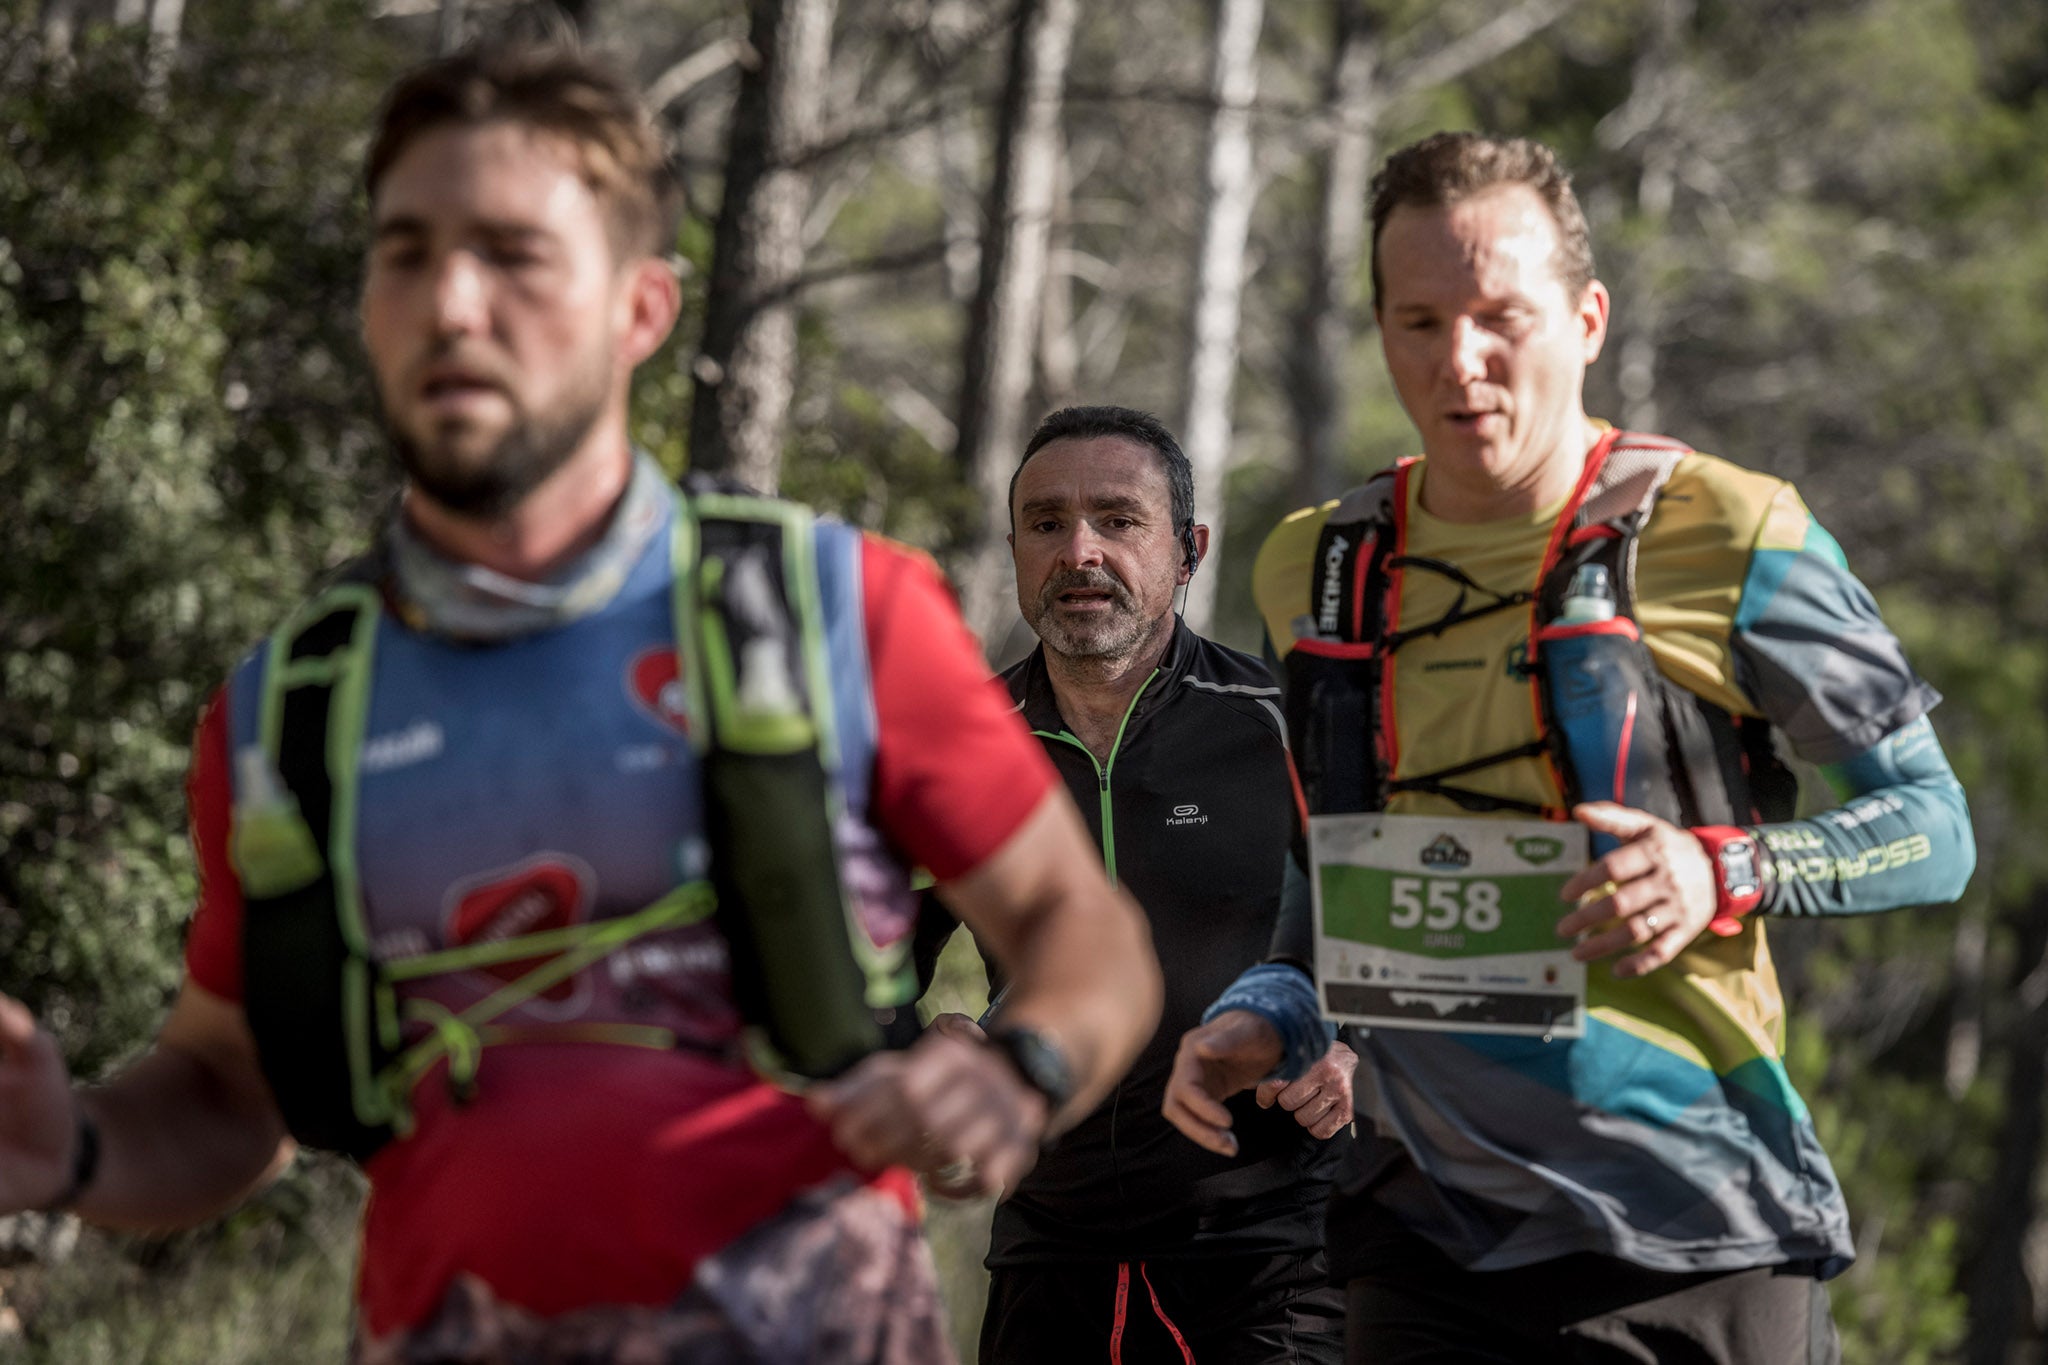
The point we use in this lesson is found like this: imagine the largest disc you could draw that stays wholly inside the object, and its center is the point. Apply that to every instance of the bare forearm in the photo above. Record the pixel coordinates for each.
(1076, 950)
(176, 1146)
(188, 1131)
(1076, 982)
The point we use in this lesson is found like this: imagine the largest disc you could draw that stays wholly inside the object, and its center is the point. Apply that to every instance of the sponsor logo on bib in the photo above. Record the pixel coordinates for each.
(1445, 851)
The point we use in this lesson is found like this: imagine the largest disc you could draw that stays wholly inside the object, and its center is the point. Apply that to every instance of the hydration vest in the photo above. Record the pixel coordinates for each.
(339, 1048)
(1658, 747)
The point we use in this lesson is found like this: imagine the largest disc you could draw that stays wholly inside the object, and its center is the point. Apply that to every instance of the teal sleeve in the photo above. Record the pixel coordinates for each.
(1815, 657)
(1901, 836)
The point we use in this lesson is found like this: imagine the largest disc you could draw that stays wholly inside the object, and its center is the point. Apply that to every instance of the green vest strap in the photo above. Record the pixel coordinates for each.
(750, 637)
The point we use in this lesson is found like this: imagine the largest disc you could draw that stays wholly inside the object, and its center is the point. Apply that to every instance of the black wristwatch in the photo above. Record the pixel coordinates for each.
(1039, 1062)
(85, 1162)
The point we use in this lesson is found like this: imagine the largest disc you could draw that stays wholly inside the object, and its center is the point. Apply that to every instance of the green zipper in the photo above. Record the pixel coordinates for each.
(1103, 770)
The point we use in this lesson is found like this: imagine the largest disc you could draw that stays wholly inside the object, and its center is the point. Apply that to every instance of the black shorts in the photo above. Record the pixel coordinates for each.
(1583, 1309)
(1231, 1310)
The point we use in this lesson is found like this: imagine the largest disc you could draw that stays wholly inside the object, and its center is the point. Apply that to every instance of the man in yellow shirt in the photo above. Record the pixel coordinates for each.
(1532, 678)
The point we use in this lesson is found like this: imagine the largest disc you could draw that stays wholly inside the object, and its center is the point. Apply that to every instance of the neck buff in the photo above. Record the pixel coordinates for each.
(470, 602)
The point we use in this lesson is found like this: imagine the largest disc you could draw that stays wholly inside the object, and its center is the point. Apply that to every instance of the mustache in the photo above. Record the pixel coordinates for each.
(1093, 580)
(453, 352)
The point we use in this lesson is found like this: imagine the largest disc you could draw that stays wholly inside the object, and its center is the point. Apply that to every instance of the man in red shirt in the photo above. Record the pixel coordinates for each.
(581, 1163)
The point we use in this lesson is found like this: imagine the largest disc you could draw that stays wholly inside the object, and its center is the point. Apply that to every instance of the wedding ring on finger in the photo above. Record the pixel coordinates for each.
(1650, 923)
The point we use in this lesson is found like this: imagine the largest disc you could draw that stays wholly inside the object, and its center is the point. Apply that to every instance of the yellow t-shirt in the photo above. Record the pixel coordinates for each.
(1459, 695)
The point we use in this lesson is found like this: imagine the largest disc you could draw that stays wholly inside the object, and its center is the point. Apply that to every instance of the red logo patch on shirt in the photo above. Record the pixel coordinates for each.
(538, 896)
(654, 681)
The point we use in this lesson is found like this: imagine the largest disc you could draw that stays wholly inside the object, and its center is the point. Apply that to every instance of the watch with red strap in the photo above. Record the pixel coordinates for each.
(1739, 874)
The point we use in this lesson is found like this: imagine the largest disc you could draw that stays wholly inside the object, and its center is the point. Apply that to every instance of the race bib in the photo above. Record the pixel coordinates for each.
(1449, 924)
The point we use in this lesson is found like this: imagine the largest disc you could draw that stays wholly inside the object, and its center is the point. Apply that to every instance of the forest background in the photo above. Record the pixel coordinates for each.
(914, 226)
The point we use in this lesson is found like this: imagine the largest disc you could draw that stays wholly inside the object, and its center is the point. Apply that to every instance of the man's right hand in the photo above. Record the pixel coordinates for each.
(1232, 1052)
(38, 1124)
(958, 1026)
(947, 1102)
(1320, 1098)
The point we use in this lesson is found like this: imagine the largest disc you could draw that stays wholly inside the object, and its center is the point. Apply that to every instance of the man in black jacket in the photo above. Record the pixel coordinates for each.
(1127, 1243)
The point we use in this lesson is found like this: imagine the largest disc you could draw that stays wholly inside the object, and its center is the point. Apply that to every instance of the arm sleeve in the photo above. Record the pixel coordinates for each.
(213, 945)
(1901, 837)
(956, 772)
(1814, 655)
(1282, 989)
(1284, 995)
(1810, 649)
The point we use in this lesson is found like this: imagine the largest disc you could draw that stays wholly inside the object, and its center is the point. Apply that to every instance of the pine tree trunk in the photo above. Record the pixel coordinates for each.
(1059, 361)
(1995, 1273)
(1216, 312)
(58, 21)
(166, 25)
(1003, 323)
(1649, 127)
(448, 27)
(745, 368)
(1322, 334)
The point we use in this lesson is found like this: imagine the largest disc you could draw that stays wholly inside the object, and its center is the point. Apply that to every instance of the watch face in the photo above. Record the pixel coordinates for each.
(1738, 867)
(1039, 1062)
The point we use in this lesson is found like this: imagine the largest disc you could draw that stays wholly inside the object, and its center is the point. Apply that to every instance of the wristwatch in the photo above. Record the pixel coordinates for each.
(1039, 1062)
(85, 1162)
(1738, 875)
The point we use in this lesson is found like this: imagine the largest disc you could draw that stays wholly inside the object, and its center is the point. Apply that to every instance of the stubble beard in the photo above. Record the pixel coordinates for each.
(489, 484)
(1118, 635)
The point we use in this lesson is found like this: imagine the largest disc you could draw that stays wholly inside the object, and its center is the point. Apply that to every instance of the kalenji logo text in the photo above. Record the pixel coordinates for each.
(1187, 815)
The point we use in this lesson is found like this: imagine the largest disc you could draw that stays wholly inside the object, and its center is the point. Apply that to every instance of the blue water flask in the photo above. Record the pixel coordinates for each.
(1598, 693)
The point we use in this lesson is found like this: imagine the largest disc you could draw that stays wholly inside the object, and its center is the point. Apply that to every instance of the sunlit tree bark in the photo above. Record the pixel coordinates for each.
(745, 368)
(1321, 342)
(1003, 324)
(1217, 308)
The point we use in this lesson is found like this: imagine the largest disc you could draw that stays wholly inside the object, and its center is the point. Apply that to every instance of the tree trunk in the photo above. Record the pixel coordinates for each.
(448, 27)
(1322, 333)
(1995, 1275)
(1655, 104)
(58, 22)
(745, 368)
(1004, 320)
(1059, 360)
(166, 22)
(1965, 1049)
(1217, 310)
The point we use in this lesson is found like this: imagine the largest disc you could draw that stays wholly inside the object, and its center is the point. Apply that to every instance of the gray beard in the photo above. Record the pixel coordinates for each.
(1116, 637)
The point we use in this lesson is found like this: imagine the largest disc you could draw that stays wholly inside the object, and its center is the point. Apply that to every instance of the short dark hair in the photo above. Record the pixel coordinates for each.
(1444, 168)
(1140, 428)
(553, 86)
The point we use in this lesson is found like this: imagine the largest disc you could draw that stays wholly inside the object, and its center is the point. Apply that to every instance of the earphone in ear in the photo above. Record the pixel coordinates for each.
(1187, 540)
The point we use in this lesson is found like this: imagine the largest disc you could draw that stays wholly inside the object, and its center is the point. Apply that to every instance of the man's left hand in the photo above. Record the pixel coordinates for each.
(1320, 1098)
(1649, 898)
(946, 1104)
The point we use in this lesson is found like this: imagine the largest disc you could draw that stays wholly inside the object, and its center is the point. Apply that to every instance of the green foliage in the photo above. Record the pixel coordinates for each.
(1825, 215)
(958, 1229)
(269, 1284)
(187, 442)
(175, 299)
